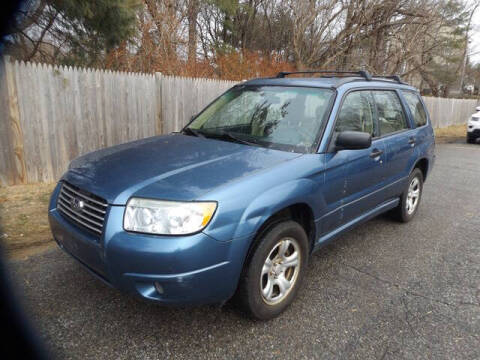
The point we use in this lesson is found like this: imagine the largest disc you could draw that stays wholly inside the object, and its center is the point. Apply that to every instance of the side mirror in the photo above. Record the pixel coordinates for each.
(477, 108)
(353, 140)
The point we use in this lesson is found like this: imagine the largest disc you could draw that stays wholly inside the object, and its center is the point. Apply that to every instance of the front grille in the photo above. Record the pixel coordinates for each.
(82, 208)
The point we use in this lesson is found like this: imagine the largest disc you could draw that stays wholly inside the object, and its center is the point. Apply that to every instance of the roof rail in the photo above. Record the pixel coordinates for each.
(362, 73)
(365, 74)
(390, 77)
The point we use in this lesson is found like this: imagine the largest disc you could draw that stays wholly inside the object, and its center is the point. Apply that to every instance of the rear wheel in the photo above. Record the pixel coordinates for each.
(273, 274)
(411, 196)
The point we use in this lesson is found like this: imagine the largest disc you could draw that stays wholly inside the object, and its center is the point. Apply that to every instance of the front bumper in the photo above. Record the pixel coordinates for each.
(193, 269)
(472, 132)
(473, 128)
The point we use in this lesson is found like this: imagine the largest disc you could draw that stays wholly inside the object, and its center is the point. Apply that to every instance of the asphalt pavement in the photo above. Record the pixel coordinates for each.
(384, 291)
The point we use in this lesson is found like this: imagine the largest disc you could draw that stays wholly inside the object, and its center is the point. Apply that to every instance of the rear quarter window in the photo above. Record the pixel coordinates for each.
(416, 108)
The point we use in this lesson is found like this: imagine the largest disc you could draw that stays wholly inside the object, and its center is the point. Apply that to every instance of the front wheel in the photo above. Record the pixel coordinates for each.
(411, 196)
(272, 276)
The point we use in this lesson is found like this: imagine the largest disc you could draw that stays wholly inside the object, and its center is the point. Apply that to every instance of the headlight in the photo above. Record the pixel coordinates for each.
(167, 217)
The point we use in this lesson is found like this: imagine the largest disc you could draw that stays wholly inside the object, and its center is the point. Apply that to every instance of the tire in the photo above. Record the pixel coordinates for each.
(470, 140)
(259, 292)
(402, 212)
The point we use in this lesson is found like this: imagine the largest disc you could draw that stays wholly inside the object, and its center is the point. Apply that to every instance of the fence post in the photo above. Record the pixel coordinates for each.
(159, 101)
(14, 128)
(6, 157)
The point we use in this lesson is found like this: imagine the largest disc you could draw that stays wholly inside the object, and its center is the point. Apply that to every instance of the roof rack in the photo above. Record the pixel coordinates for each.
(362, 73)
(390, 77)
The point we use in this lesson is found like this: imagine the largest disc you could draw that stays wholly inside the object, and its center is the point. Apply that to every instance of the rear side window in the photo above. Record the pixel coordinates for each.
(356, 113)
(416, 108)
(391, 117)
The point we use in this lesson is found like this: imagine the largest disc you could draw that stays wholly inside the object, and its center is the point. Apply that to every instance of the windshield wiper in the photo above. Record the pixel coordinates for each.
(190, 131)
(229, 136)
(220, 135)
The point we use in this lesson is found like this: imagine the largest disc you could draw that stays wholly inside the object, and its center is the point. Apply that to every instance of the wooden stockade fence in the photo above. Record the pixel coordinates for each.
(51, 114)
(446, 112)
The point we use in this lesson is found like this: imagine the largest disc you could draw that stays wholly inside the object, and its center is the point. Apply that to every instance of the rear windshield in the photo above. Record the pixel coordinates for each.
(285, 118)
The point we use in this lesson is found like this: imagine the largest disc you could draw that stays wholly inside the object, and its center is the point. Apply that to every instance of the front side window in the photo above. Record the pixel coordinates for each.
(356, 113)
(416, 108)
(286, 118)
(391, 117)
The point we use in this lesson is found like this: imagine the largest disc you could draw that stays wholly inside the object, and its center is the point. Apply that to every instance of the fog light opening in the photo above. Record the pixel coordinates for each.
(159, 288)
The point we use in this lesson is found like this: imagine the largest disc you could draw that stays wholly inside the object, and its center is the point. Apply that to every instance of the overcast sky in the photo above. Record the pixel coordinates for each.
(475, 45)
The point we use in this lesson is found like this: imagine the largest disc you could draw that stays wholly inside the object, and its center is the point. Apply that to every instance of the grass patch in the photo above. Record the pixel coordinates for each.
(23, 219)
(451, 133)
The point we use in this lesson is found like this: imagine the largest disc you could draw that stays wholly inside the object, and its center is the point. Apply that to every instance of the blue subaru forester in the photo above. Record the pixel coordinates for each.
(236, 202)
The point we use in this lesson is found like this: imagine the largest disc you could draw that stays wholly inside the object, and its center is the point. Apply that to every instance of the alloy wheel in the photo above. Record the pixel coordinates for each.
(280, 271)
(413, 195)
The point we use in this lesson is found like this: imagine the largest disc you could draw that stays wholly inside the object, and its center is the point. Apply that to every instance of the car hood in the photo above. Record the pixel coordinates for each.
(171, 167)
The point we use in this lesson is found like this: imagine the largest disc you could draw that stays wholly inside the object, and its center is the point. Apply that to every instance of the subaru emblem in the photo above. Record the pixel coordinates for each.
(77, 204)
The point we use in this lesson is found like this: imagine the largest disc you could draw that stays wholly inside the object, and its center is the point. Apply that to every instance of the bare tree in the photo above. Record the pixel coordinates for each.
(424, 40)
(192, 14)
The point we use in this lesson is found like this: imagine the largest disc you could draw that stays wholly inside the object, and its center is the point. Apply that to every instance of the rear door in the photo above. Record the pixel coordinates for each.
(395, 130)
(418, 114)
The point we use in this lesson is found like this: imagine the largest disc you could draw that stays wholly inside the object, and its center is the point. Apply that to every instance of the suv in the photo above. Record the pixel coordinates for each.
(473, 127)
(236, 203)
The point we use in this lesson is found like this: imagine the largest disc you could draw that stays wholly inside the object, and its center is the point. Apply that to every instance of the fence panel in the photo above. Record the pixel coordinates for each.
(446, 112)
(51, 114)
(65, 112)
(184, 97)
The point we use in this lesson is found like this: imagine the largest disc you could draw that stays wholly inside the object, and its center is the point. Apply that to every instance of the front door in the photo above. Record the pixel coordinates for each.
(353, 177)
(365, 180)
(365, 172)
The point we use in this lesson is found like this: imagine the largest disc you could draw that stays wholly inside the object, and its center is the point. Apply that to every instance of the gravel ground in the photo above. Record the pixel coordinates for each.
(386, 290)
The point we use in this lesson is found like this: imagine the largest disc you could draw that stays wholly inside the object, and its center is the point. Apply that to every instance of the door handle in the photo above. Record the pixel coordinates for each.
(376, 153)
(412, 141)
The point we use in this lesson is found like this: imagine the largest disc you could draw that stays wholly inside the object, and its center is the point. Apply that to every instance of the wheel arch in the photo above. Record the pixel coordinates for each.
(301, 194)
(300, 212)
(422, 164)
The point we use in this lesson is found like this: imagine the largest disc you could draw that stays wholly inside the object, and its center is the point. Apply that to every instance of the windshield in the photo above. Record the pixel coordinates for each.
(285, 118)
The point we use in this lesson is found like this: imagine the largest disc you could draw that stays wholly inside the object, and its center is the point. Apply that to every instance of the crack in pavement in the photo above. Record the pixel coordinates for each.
(408, 291)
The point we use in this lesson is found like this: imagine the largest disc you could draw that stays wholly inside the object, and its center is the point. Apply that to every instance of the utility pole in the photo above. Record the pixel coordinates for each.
(465, 50)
